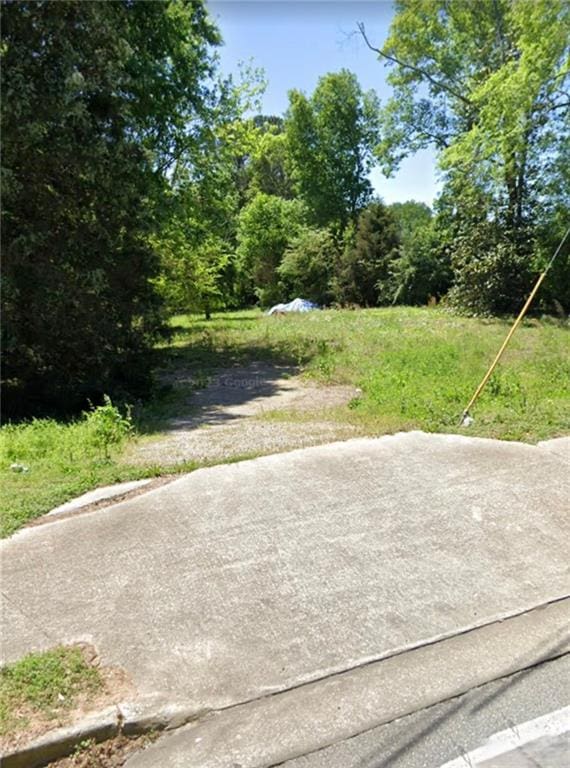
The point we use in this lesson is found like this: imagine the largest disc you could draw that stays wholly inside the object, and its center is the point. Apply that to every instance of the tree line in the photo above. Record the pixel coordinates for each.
(138, 181)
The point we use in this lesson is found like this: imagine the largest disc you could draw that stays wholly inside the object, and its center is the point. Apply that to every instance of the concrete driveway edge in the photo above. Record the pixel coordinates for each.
(307, 713)
(272, 729)
(129, 718)
(53, 745)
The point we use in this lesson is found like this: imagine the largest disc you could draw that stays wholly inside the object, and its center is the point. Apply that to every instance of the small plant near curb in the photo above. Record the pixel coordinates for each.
(83, 747)
(44, 685)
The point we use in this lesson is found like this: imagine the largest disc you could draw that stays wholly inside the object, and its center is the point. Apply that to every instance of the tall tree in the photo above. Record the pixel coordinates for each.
(411, 216)
(422, 270)
(331, 135)
(208, 189)
(266, 227)
(271, 167)
(364, 274)
(99, 99)
(486, 83)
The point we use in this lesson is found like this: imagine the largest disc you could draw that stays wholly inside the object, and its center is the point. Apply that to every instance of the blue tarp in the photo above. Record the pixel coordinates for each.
(297, 305)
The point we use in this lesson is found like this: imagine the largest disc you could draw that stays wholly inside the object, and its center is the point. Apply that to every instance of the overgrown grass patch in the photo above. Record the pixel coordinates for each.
(417, 368)
(44, 685)
(45, 462)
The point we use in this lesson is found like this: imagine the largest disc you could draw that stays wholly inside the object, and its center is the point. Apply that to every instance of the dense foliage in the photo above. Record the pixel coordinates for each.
(98, 99)
(265, 228)
(331, 136)
(486, 84)
(137, 181)
(364, 273)
(309, 266)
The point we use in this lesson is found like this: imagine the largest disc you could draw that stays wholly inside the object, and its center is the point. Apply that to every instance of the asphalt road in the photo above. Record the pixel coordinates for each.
(453, 730)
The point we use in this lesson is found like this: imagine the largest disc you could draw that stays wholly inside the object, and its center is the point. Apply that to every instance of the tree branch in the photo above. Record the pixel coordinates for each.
(439, 141)
(413, 68)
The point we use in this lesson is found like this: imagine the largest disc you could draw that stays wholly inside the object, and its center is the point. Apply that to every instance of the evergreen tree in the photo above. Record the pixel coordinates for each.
(98, 100)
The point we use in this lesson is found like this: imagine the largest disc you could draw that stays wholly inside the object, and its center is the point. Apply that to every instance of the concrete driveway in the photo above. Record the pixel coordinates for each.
(240, 581)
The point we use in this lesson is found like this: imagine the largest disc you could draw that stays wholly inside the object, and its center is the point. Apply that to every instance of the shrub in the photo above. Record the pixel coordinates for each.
(107, 427)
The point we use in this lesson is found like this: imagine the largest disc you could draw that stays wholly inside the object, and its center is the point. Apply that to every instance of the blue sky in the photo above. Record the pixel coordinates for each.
(297, 41)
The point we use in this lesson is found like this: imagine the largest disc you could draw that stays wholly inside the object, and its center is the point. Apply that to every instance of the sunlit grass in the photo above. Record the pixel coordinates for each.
(417, 368)
(45, 462)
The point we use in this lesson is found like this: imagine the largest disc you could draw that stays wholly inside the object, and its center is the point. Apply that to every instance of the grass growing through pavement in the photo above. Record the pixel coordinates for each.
(45, 685)
(417, 368)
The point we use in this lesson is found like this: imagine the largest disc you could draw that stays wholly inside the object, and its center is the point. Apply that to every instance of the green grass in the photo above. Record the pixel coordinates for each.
(417, 369)
(59, 461)
(45, 684)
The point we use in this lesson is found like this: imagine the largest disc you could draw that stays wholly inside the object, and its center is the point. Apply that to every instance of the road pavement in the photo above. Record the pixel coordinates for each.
(462, 732)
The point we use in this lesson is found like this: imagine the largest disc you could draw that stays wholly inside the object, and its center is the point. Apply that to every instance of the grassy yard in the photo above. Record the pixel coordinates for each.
(44, 463)
(417, 369)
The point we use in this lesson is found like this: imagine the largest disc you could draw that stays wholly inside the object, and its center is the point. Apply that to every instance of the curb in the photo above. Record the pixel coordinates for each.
(524, 640)
(303, 720)
(61, 742)
(127, 718)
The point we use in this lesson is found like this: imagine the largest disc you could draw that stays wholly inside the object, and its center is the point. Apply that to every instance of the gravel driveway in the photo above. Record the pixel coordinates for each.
(227, 418)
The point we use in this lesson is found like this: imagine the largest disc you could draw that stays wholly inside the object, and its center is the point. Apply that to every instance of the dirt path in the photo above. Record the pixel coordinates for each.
(228, 418)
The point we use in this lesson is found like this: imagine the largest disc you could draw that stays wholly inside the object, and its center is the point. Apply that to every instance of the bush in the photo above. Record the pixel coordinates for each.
(107, 427)
(554, 295)
(93, 436)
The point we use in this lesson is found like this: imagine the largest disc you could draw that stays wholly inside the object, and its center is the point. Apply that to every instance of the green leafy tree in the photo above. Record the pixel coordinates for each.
(411, 217)
(421, 271)
(193, 274)
(308, 266)
(485, 83)
(489, 270)
(99, 99)
(331, 135)
(266, 227)
(271, 168)
(197, 246)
